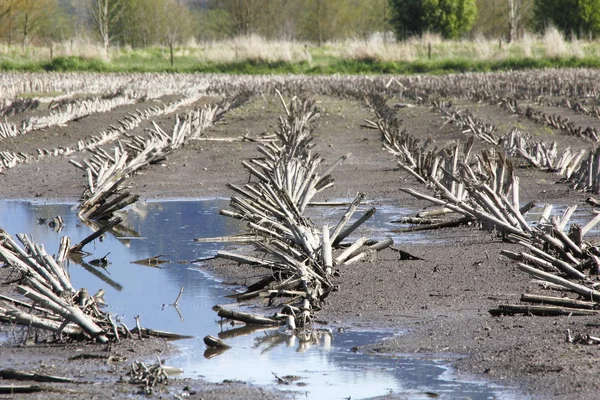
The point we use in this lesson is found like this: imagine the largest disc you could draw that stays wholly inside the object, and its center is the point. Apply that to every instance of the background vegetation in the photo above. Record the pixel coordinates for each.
(291, 36)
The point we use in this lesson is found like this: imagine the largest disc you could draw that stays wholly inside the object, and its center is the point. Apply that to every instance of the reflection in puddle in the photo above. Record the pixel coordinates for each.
(324, 365)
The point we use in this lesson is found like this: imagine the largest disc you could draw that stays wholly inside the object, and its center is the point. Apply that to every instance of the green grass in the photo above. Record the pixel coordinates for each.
(35, 95)
(322, 65)
(255, 55)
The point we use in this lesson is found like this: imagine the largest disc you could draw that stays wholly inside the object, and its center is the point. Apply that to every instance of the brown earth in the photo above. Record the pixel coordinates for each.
(442, 300)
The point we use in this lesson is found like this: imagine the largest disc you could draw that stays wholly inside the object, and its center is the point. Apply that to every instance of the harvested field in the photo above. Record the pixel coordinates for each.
(419, 143)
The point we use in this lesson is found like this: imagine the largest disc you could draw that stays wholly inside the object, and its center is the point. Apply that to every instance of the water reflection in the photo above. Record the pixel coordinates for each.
(321, 365)
(167, 228)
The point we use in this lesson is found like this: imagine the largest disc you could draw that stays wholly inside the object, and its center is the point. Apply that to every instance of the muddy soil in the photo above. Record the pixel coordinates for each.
(442, 301)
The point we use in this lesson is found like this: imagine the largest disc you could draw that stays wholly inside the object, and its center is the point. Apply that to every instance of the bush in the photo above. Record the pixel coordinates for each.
(72, 63)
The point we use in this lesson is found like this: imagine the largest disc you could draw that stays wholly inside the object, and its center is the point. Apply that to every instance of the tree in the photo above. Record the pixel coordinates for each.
(450, 18)
(279, 18)
(58, 26)
(312, 20)
(578, 17)
(7, 10)
(176, 22)
(141, 23)
(80, 15)
(213, 24)
(324, 20)
(514, 16)
(29, 16)
(491, 18)
(106, 13)
(373, 17)
(175, 30)
(503, 18)
(243, 15)
(7, 6)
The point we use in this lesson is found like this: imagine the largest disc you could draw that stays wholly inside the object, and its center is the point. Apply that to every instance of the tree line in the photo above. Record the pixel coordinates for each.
(141, 23)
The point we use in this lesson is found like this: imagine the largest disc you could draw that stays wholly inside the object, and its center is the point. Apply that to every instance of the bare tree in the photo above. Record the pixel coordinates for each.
(516, 10)
(176, 28)
(105, 13)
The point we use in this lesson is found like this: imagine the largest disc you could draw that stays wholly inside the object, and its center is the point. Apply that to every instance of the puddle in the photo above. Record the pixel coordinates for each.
(377, 227)
(380, 225)
(326, 367)
(581, 216)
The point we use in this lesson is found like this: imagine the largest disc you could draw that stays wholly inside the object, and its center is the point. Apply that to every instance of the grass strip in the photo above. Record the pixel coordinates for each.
(325, 67)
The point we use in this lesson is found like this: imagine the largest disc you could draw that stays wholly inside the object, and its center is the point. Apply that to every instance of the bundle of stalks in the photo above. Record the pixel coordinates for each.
(76, 110)
(8, 130)
(59, 102)
(130, 121)
(542, 155)
(107, 174)
(56, 306)
(556, 257)
(72, 111)
(379, 105)
(9, 159)
(552, 255)
(563, 124)
(558, 260)
(587, 177)
(493, 201)
(10, 108)
(63, 88)
(150, 376)
(570, 165)
(467, 122)
(578, 106)
(419, 160)
(485, 189)
(298, 255)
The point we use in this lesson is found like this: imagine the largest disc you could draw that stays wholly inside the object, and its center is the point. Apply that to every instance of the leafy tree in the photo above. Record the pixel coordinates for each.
(579, 17)
(367, 18)
(491, 18)
(58, 25)
(7, 6)
(213, 24)
(7, 12)
(36, 18)
(131, 27)
(312, 20)
(272, 19)
(141, 23)
(450, 18)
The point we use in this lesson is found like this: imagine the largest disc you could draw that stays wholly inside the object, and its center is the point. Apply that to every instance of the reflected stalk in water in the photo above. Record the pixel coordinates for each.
(96, 272)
